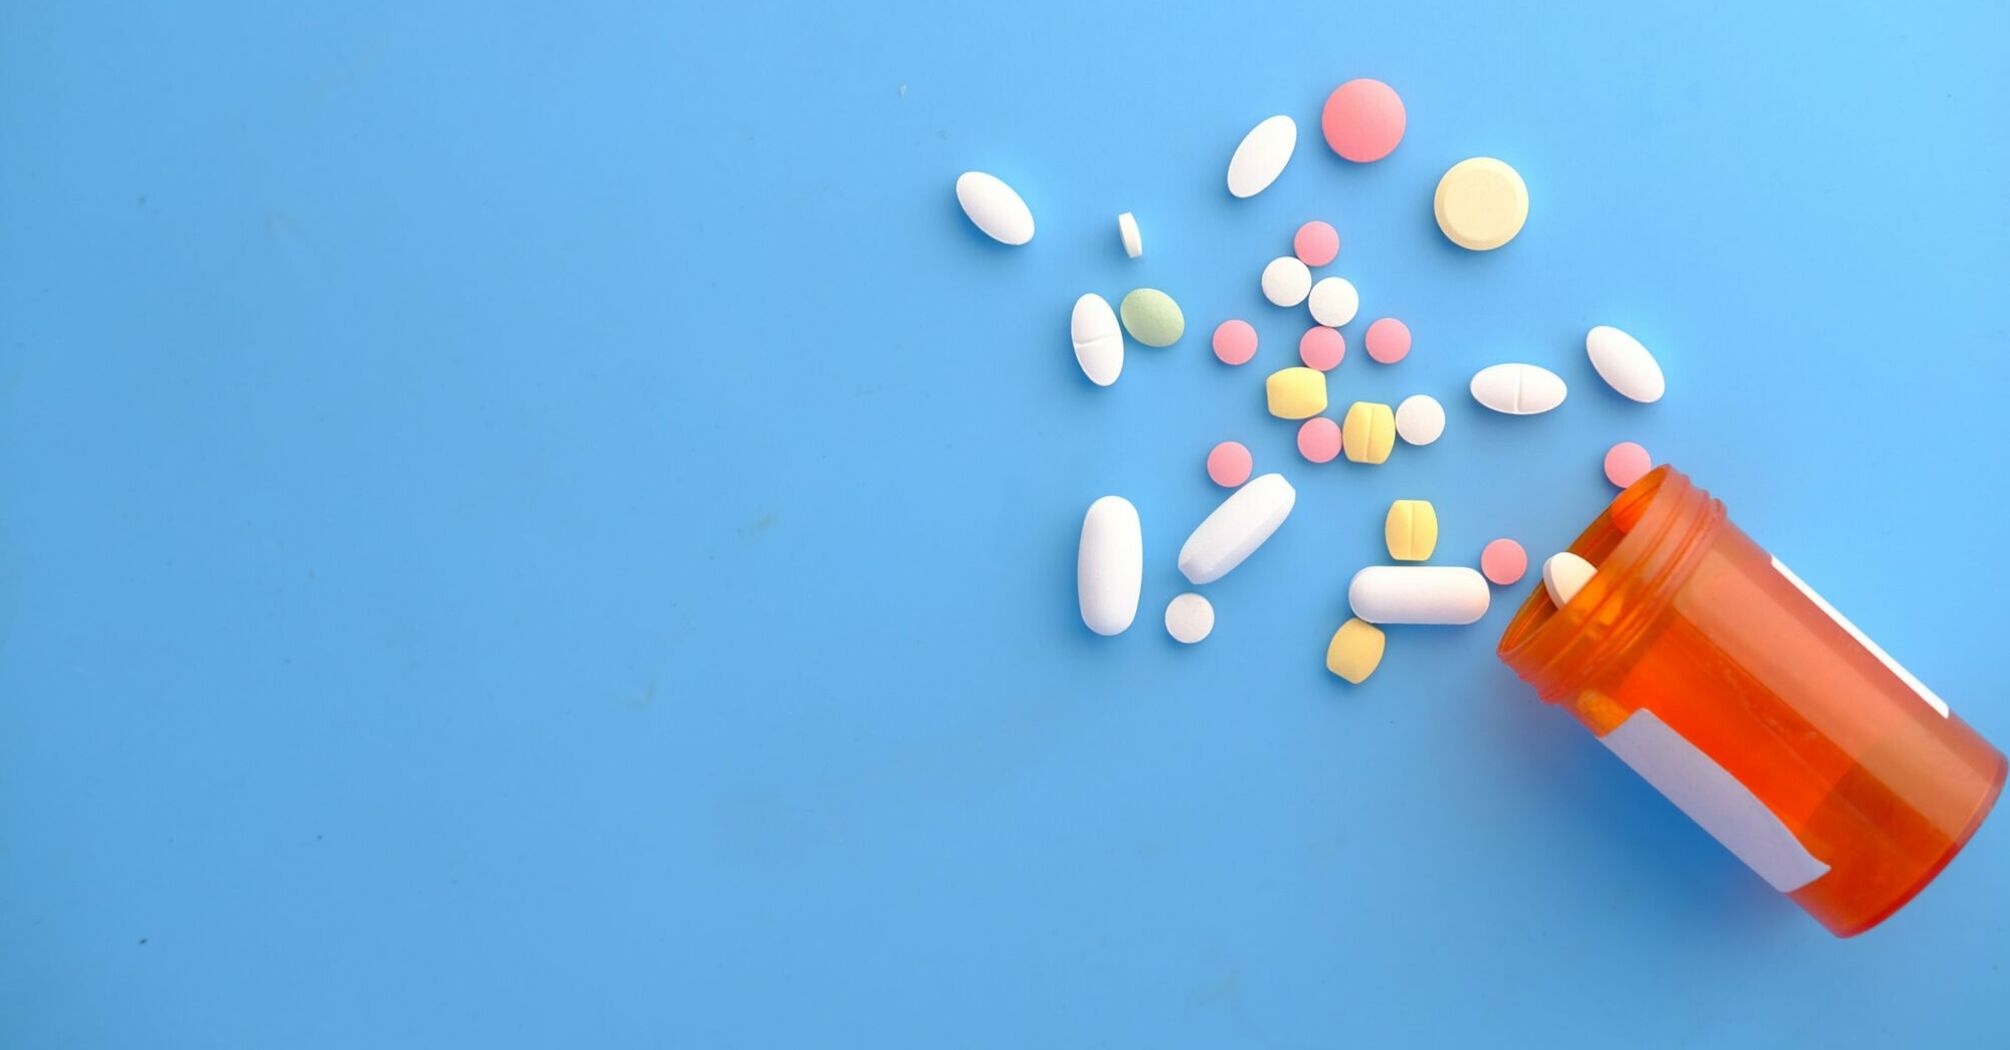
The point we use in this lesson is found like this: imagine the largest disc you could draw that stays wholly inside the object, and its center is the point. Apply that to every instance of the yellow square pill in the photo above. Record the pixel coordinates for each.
(1411, 529)
(1369, 433)
(1356, 650)
(1296, 393)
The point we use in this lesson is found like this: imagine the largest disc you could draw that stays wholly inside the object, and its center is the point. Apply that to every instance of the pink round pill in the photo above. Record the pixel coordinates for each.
(1322, 348)
(1626, 463)
(1388, 341)
(1316, 243)
(1363, 120)
(1228, 465)
(1319, 439)
(1234, 342)
(1504, 562)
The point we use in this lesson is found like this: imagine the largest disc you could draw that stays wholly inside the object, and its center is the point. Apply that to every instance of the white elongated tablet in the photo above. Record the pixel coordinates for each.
(1565, 574)
(1518, 390)
(1099, 343)
(1236, 528)
(1110, 565)
(995, 207)
(1441, 594)
(1286, 281)
(1334, 301)
(1420, 420)
(1261, 157)
(1625, 365)
(1127, 228)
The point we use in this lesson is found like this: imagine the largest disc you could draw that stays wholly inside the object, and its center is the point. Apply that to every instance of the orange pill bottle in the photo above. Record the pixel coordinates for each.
(1755, 706)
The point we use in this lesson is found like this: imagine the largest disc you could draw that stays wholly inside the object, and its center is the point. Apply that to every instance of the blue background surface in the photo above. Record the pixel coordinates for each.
(549, 529)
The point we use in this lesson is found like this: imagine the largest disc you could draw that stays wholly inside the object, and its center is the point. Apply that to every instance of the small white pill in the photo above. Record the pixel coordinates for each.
(1286, 281)
(1099, 342)
(1261, 156)
(1110, 565)
(1563, 575)
(1189, 618)
(996, 208)
(1518, 390)
(1625, 365)
(1420, 420)
(1236, 528)
(1127, 228)
(1334, 301)
(1441, 594)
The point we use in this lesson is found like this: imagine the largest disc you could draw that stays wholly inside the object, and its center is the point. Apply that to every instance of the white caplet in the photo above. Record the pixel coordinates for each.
(1564, 574)
(1099, 342)
(1625, 365)
(1518, 390)
(1262, 156)
(1436, 594)
(1110, 565)
(1127, 228)
(1236, 528)
(995, 207)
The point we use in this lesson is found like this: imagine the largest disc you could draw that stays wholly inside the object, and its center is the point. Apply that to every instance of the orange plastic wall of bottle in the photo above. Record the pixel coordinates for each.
(1712, 670)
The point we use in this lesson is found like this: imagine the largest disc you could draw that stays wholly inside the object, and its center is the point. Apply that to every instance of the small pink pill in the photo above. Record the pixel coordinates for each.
(1388, 341)
(1228, 465)
(1504, 562)
(1234, 342)
(1316, 243)
(1319, 439)
(1363, 120)
(1626, 463)
(1322, 348)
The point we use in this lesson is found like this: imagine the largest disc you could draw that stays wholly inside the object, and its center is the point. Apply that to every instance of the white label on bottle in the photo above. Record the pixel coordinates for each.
(1714, 799)
(1842, 621)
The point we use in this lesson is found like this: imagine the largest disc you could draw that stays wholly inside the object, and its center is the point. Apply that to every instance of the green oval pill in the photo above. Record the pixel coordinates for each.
(1152, 317)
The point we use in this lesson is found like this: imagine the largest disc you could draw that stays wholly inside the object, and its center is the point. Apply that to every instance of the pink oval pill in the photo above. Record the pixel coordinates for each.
(1504, 562)
(1322, 348)
(1319, 439)
(1234, 342)
(1228, 465)
(1388, 341)
(1363, 120)
(1626, 463)
(1316, 243)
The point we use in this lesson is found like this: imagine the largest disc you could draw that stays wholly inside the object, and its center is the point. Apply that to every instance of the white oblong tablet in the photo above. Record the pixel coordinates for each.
(1110, 565)
(1420, 420)
(1564, 574)
(1625, 365)
(1518, 390)
(1286, 281)
(1236, 528)
(1440, 594)
(1334, 301)
(1262, 156)
(1189, 618)
(995, 207)
(1099, 342)
(1127, 228)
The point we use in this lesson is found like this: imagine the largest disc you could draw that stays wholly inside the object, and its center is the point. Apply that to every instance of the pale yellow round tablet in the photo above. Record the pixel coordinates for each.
(1481, 203)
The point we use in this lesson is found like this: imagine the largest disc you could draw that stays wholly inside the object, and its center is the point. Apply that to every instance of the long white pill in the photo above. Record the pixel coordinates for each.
(1625, 365)
(1099, 342)
(1518, 390)
(996, 208)
(1110, 565)
(1127, 228)
(1261, 157)
(1286, 281)
(1564, 574)
(1444, 594)
(1236, 528)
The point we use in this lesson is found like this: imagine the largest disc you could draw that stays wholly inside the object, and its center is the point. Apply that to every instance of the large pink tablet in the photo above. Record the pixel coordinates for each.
(1228, 465)
(1234, 342)
(1322, 347)
(1363, 120)
(1626, 463)
(1319, 439)
(1316, 243)
(1504, 562)
(1388, 341)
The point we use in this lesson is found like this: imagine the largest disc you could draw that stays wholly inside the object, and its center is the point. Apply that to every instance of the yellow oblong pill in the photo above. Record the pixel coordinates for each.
(1411, 529)
(1296, 393)
(1355, 651)
(1369, 432)
(1481, 203)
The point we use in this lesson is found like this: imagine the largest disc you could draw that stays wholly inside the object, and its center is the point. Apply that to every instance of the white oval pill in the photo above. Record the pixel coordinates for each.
(1518, 390)
(1441, 594)
(1127, 228)
(1110, 565)
(995, 207)
(1625, 365)
(1189, 618)
(1236, 528)
(1334, 301)
(1286, 281)
(1563, 575)
(1420, 420)
(1261, 156)
(1099, 342)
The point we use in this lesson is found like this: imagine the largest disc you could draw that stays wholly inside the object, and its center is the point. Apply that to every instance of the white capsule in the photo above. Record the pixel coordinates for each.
(1518, 390)
(1286, 281)
(1261, 157)
(1127, 228)
(1099, 342)
(1625, 365)
(1420, 420)
(995, 207)
(1236, 528)
(1563, 575)
(1441, 594)
(1189, 618)
(1110, 565)
(1334, 301)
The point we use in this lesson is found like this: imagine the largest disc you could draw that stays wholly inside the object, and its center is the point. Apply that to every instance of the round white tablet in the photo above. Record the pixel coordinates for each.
(1420, 420)
(1334, 301)
(1189, 618)
(1286, 281)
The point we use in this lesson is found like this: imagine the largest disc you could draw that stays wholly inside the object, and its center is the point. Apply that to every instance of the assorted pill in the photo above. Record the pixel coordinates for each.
(1334, 301)
(1355, 651)
(1420, 419)
(1099, 344)
(1189, 618)
(1504, 562)
(1152, 317)
(994, 207)
(1565, 574)
(1236, 528)
(1234, 342)
(1110, 565)
(1387, 341)
(1296, 393)
(1363, 120)
(1518, 390)
(1411, 530)
(1229, 464)
(1316, 243)
(1423, 594)
(1481, 203)
(1322, 348)
(1626, 463)
(1319, 440)
(1127, 229)
(1286, 281)
(1624, 364)
(1261, 156)
(1369, 432)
